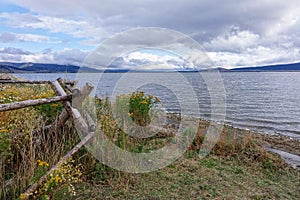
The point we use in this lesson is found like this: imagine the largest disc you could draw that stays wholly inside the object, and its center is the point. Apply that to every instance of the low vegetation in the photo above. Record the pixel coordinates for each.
(238, 167)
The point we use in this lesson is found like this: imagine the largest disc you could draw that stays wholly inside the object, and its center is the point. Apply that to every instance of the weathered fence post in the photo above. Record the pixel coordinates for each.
(77, 99)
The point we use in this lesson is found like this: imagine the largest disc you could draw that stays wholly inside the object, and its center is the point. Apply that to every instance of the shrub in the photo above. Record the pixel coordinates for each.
(139, 107)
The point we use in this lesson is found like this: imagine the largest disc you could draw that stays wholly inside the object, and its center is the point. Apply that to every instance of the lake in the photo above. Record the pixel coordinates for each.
(261, 101)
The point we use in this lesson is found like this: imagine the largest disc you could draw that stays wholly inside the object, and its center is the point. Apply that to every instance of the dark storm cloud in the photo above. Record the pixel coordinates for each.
(191, 16)
(197, 17)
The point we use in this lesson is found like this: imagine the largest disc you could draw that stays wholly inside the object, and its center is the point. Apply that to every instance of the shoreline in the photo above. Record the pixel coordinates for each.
(288, 148)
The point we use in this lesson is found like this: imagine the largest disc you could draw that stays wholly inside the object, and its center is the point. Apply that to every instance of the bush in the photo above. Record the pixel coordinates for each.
(139, 107)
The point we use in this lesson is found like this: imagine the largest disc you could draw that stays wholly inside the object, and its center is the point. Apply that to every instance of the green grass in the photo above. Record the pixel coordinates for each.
(214, 177)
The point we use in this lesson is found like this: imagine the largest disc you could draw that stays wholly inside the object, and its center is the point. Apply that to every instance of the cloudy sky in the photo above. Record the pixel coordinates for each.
(233, 33)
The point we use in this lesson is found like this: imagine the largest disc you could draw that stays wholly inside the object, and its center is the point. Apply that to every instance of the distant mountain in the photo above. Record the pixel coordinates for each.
(278, 67)
(8, 67)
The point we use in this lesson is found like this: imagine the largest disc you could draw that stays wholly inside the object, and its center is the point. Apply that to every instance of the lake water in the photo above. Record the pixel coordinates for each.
(261, 101)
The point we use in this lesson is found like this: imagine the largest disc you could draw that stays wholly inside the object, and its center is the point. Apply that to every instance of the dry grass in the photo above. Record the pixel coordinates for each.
(214, 177)
(24, 142)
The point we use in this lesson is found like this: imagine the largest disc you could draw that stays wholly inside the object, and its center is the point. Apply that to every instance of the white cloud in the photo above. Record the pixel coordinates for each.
(19, 19)
(245, 48)
(38, 58)
(66, 56)
(150, 57)
(257, 56)
(235, 41)
(32, 38)
(7, 37)
(70, 56)
(12, 37)
(155, 60)
(77, 27)
(16, 51)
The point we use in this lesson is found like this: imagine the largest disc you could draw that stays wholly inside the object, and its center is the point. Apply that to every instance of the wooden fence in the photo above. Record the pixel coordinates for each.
(71, 99)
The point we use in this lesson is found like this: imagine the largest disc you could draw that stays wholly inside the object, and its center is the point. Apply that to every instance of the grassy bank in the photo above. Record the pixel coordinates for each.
(215, 177)
(238, 166)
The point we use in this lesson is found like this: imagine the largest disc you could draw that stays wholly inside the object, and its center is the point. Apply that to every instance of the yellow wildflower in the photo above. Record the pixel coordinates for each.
(54, 105)
(42, 163)
(58, 179)
(151, 96)
(130, 114)
(144, 102)
(22, 196)
(141, 94)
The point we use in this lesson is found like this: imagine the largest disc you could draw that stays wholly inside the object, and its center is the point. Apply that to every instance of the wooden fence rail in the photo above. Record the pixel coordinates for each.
(23, 82)
(35, 102)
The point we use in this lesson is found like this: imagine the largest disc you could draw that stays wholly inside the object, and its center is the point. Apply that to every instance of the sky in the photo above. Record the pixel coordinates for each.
(233, 33)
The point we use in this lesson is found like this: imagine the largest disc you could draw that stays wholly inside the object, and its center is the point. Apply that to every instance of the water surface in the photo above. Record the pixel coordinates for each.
(261, 101)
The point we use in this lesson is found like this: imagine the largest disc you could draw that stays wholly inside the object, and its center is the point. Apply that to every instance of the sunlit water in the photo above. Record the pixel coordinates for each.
(264, 101)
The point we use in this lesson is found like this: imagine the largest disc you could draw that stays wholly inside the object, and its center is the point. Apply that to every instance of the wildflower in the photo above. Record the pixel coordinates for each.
(54, 105)
(144, 102)
(141, 94)
(151, 96)
(130, 114)
(22, 196)
(42, 163)
(58, 179)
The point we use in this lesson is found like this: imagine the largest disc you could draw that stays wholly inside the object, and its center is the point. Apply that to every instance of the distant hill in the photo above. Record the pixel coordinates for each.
(278, 67)
(8, 67)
